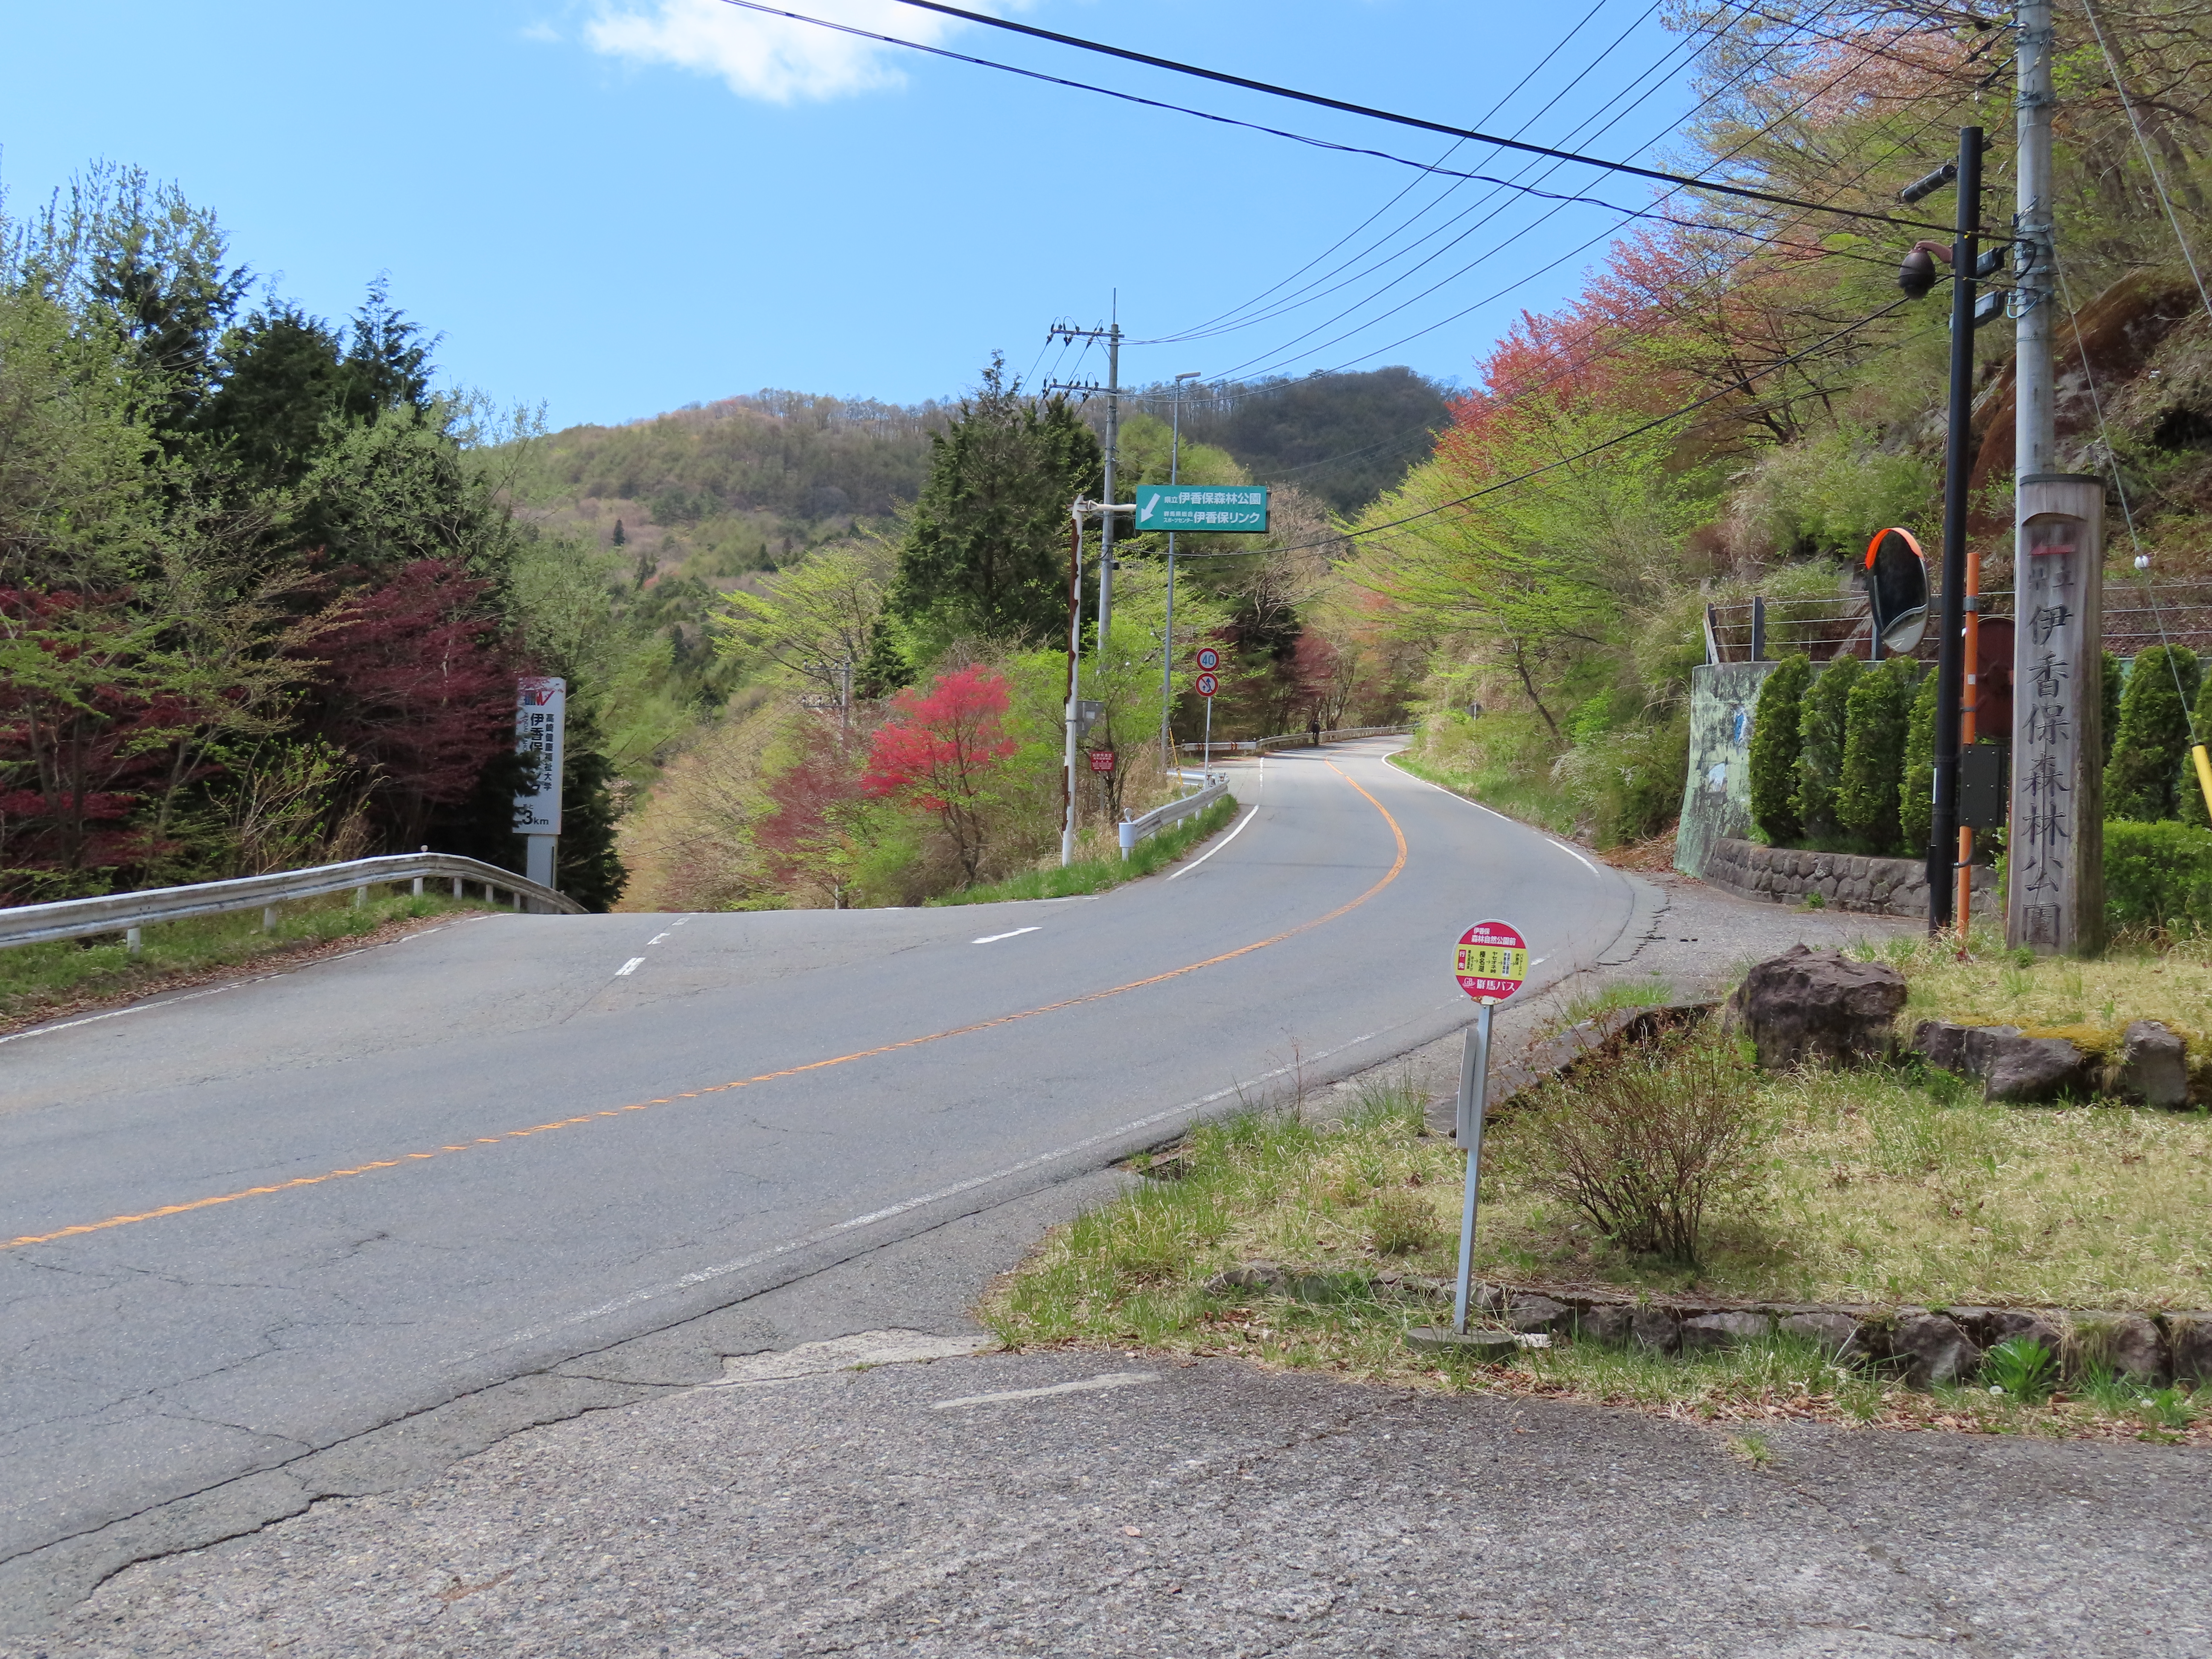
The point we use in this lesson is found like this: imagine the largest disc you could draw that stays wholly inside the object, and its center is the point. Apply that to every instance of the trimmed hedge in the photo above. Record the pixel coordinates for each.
(1822, 729)
(1774, 743)
(2153, 741)
(1874, 717)
(2158, 875)
(1916, 790)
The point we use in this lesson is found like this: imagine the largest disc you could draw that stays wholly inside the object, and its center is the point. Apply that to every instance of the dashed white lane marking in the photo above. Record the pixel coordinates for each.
(657, 938)
(629, 967)
(993, 939)
(1087, 1385)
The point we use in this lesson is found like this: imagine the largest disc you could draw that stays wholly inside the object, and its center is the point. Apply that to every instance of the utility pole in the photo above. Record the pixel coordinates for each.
(1167, 639)
(1112, 335)
(1950, 661)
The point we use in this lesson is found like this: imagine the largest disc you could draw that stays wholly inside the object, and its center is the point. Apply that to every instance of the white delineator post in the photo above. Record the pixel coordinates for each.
(1473, 1097)
(2056, 901)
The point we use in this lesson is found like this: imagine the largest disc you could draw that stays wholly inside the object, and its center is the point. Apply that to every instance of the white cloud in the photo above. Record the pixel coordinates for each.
(770, 58)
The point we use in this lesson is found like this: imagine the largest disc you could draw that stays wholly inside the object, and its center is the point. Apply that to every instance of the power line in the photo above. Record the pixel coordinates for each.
(1372, 113)
(1691, 408)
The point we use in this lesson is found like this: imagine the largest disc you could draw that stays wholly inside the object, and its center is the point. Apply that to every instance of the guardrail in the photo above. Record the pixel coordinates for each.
(1135, 829)
(1292, 740)
(126, 912)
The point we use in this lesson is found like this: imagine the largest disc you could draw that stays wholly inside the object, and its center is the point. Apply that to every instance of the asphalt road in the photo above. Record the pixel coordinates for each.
(239, 1232)
(1124, 1505)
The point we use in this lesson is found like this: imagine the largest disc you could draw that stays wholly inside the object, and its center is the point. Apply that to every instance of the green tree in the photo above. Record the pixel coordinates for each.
(986, 548)
(1775, 741)
(2189, 791)
(1875, 719)
(2154, 735)
(2115, 682)
(1821, 749)
(1916, 792)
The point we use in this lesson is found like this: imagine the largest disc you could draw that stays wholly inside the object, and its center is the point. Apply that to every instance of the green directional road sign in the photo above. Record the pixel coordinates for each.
(1214, 509)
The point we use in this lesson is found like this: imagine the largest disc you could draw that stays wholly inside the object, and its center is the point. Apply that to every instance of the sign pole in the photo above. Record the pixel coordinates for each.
(1473, 1097)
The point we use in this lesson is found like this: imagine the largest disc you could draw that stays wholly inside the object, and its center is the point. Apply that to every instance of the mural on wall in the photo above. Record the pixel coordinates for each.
(1716, 795)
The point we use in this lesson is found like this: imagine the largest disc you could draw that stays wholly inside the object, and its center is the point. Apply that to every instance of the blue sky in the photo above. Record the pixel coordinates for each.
(618, 207)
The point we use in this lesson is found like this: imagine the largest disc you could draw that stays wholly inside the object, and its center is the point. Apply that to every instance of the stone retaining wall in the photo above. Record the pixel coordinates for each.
(1922, 1347)
(1845, 881)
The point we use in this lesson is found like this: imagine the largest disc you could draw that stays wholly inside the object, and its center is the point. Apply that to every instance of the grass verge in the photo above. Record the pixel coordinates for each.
(1535, 801)
(1096, 875)
(41, 981)
(1942, 1200)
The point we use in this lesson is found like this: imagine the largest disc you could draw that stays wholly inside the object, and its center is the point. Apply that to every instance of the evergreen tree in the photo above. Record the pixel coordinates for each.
(1774, 748)
(620, 537)
(985, 552)
(1820, 751)
(588, 870)
(1875, 719)
(2115, 682)
(2154, 735)
(1915, 793)
(2188, 790)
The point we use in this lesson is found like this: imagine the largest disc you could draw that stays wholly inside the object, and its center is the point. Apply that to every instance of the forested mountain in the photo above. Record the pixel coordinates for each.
(1342, 438)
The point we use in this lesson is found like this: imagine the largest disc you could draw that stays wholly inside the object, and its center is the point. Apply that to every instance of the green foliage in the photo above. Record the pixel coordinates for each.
(2158, 875)
(1822, 728)
(1830, 492)
(2188, 788)
(1627, 784)
(987, 547)
(2152, 740)
(1096, 875)
(2115, 680)
(1875, 719)
(2022, 1367)
(1775, 747)
(1916, 792)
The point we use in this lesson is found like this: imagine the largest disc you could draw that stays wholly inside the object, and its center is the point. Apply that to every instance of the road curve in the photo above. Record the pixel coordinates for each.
(238, 1229)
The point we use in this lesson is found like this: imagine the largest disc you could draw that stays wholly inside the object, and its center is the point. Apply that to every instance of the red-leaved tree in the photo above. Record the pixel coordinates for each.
(941, 751)
(417, 683)
(819, 831)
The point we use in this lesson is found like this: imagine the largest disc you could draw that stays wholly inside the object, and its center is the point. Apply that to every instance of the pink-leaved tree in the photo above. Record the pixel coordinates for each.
(941, 751)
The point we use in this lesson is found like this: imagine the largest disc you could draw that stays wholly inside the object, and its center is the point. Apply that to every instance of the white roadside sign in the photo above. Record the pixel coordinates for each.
(541, 713)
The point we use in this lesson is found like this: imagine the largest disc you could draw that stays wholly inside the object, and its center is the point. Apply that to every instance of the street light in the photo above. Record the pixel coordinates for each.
(1167, 641)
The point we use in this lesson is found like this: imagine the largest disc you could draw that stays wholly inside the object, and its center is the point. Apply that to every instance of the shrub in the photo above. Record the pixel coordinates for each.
(2158, 875)
(2115, 683)
(1774, 743)
(2188, 792)
(2154, 736)
(1873, 752)
(1820, 751)
(1916, 790)
(1627, 783)
(1642, 1144)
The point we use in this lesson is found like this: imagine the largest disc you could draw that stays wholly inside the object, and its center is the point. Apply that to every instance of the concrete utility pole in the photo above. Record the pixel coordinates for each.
(1166, 637)
(1112, 335)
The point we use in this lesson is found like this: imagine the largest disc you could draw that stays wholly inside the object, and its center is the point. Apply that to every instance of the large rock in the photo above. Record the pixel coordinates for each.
(1990, 1326)
(1838, 1335)
(2018, 1069)
(1605, 1321)
(2152, 1066)
(1941, 1044)
(2127, 1343)
(2189, 1339)
(1654, 1328)
(1525, 1312)
(1806, 1006)
(1724, 1330)
(1930, 1348)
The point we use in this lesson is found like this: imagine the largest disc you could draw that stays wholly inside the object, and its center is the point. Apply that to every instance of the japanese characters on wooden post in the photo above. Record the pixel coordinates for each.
(2057, 846)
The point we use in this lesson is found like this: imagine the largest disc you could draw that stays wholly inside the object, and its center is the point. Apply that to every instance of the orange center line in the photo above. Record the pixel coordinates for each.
(1391, 875)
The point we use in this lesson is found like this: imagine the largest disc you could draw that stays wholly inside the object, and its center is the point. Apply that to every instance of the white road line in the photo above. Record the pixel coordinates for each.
(993, 939)
(218, 990)
(629, 967)
(823, 1234)
(1548, 841)
(657, 938)
(1216, 847)
(1088, 1385)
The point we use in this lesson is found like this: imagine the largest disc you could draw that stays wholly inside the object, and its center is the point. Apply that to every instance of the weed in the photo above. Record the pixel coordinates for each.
(1650, 992)
(1096, 875)
(2022, 1369)
(1753, 1446)
(1399, 1221)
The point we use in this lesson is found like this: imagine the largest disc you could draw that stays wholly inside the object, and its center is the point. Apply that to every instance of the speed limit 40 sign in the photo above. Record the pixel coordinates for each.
(1208, 658)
